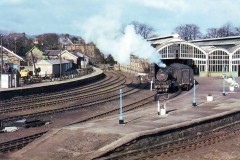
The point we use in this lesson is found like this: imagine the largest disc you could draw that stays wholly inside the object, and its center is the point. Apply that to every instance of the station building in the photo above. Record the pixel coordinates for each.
(137, 66)
(9, 60)
(208, 57)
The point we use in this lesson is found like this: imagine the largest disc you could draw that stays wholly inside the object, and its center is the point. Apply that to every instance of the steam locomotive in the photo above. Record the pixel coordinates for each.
(171, 78)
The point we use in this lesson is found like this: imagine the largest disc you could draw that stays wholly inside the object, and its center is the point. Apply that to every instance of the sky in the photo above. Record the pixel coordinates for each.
(70, 16)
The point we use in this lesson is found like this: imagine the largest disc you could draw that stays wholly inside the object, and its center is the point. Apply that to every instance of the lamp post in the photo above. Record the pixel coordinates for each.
(224, 92)
(15, 41)
(151, 85)
(194, 94)
(1, 55)
(62, 46)
(121, 120)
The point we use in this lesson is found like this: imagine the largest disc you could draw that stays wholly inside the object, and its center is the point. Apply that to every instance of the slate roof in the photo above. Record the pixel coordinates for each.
(52, 52)
(234, 40)
(165, 39)
(65, 41)
(53, 61)
(228, 43)
(78, 54)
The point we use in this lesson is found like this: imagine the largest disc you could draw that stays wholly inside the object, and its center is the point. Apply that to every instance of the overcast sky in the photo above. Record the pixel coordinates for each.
(66, 16)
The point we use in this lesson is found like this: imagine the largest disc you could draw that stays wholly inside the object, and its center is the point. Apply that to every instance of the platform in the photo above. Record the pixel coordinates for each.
(97, 71)
(89, 140)
(47, 87)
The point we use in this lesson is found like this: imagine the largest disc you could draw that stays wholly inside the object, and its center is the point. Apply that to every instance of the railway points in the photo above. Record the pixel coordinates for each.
(106, 87)
(105, 139)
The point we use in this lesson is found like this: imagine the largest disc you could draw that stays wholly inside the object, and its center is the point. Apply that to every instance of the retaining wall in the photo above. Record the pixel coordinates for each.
(49, 87)
(130, 145)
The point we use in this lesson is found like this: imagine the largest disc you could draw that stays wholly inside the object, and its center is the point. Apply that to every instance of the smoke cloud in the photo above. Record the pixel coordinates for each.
(107, 32)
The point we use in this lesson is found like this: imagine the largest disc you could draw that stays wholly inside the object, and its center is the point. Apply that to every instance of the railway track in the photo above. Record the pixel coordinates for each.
(64, 97)
(111, 79)
(184, 145)
(193, 143)
(115, 83)
(43, 111)
(127, 108)
(19, 143)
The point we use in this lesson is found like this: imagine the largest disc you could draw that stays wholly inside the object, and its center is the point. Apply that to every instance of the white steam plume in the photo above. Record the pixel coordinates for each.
(105, 31)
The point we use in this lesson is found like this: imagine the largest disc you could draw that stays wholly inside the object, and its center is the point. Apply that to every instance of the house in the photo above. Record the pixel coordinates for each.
(84, 60)
(52, 54)
(65, 40)
(34, 54)
(79, 60)
(10, 60)
(52, 67)
(88, 49)
(137, 65)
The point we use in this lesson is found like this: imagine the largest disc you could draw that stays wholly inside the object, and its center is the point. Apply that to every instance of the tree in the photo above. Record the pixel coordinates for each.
(74, 39)
(19, 43)
(188, 31)
(49, 40)
(110, 60)
(237, 31)
(225, 31)
(212, 33)
(144, 30)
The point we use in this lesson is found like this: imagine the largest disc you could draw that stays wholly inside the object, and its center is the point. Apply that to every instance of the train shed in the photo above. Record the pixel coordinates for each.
(208, 57)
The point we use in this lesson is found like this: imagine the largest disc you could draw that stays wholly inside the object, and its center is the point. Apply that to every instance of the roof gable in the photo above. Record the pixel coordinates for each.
(65, 41)
(70, 53)
(11, 52)
(34, 49)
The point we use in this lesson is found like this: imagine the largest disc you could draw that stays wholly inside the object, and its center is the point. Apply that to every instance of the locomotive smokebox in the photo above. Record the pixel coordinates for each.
(162, 75)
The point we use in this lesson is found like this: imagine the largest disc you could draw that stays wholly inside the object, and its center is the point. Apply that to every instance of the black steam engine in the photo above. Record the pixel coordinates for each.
(171, 78)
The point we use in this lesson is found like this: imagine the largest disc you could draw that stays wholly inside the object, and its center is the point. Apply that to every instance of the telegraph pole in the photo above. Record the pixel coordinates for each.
(60, 72)
(1, 55)
(121, 120)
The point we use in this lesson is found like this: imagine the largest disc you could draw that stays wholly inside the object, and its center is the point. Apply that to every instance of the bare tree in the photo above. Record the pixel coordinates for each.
(188, 31)
(237, 31)
(212, 33)
(225, 31)
(50, 40)
(144, 30)
(17, 42)
(110, 60)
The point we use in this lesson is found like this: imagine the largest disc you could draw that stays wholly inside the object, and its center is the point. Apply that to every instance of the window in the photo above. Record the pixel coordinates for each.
(218, 61)
(236, 55)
